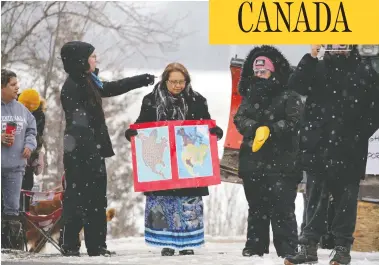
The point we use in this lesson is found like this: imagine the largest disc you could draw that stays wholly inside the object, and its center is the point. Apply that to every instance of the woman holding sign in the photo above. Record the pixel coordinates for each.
(268, 118)
(174, 218)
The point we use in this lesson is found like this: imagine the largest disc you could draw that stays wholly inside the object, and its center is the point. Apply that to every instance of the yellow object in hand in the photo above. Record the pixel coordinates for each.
(261, 135)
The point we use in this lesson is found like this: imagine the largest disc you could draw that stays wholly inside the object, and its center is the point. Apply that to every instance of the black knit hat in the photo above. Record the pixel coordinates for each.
(75, 56)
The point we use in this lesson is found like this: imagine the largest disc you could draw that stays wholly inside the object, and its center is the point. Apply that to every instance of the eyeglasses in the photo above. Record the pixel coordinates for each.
(177, 82)
(260, 71)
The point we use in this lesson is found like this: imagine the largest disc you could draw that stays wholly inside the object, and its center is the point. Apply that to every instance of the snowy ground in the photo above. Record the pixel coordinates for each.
(220, 251)
(217, 251)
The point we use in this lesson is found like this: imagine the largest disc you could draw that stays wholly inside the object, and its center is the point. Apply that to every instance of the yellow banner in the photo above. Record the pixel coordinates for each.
(293, 22)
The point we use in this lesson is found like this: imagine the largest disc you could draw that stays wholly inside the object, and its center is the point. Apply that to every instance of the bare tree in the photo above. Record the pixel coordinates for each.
(32, 34)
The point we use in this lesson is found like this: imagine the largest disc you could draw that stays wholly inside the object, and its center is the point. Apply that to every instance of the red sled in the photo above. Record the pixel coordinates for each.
(174, 154)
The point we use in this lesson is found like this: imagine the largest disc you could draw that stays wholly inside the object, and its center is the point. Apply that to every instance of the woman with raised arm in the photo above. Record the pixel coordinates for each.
(86, 145)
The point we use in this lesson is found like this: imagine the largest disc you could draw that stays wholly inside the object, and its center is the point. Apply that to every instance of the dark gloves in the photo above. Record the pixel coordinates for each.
(217, 131)
(150, 79)
(129, 133)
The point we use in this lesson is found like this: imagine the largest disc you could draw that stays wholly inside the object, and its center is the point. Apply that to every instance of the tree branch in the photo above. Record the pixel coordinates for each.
(30, 30)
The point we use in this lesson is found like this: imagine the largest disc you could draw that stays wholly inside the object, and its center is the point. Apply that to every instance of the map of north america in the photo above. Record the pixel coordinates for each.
(193, 151)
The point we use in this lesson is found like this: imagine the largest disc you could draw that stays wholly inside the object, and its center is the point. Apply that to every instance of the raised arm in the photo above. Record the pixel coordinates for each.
(125, 85)
(303, 79)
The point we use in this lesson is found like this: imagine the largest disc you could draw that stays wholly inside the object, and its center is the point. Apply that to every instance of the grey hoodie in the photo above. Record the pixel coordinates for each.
(25, 136)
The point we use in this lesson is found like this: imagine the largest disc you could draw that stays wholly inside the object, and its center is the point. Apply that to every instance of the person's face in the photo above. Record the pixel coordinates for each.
(9, 92)
(92, 62)
(262, 73)
(176, 83)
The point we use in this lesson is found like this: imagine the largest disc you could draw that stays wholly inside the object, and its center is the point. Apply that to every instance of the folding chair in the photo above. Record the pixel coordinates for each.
(44, 224)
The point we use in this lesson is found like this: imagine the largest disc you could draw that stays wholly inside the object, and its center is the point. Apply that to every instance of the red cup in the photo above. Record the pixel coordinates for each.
(10, 129)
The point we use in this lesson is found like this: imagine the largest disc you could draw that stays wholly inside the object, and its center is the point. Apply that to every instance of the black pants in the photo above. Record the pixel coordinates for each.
(344, 190)
(271, 199)
(330, 214)
(84, 205)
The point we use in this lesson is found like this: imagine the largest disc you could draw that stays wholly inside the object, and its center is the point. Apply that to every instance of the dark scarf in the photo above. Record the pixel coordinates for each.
(262, 91)
(170, 107)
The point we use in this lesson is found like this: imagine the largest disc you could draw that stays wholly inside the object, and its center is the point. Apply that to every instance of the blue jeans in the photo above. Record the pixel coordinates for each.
(11, 182)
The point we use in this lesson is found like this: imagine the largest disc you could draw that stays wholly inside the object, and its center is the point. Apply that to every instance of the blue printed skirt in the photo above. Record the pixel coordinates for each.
(174, 222)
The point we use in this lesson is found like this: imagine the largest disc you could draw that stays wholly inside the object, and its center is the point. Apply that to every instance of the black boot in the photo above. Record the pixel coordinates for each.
(168, 252)
(106, 247)
(186, 252)
(327, 241)
(248, 252)
(101, 251)
(306, 255)
(341, 256)
(71, 253)
(69, 250)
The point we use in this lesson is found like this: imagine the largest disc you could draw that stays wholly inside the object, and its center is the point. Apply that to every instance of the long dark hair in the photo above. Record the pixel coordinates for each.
(89, 93)
(93, 93)
(94, 99)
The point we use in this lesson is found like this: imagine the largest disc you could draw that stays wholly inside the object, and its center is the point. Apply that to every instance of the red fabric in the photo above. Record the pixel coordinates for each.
(38, 219)
(32, 193)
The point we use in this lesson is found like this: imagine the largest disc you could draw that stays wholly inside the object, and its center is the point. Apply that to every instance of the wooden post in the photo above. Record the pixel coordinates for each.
(367, 228)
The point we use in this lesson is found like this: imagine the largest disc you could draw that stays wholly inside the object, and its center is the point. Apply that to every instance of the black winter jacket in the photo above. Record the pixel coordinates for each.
(268, 102)
(342, 98)
(39, 115)
(86, 136)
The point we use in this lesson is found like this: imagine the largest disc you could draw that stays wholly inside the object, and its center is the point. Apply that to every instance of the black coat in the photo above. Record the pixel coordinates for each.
(197, 110)
(86, 137)
(339, 114)
(268, 103)
(39, 115)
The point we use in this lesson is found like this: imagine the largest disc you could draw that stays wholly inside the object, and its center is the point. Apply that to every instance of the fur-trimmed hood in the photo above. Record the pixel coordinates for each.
(282, 66)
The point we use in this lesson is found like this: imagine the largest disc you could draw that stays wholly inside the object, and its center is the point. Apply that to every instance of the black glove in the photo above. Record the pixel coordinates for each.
(129, 133)
(150, 79)
(217, 131)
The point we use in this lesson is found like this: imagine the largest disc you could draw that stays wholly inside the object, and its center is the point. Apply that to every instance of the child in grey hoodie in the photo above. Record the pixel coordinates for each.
(15, 149)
